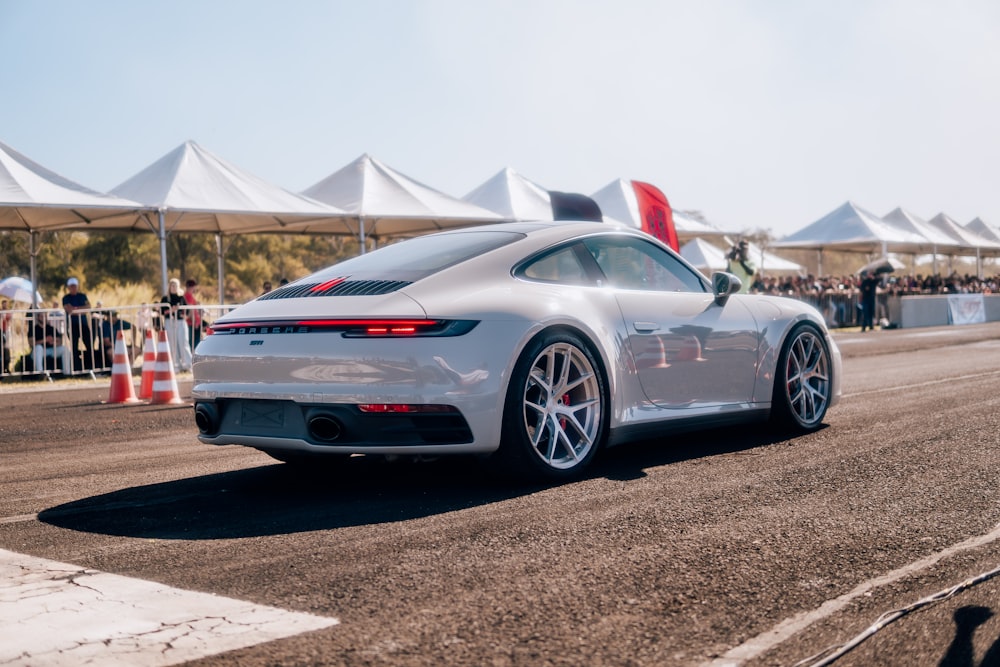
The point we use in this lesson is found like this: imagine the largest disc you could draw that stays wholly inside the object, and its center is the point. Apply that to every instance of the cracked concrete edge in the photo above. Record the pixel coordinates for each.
(59, 613)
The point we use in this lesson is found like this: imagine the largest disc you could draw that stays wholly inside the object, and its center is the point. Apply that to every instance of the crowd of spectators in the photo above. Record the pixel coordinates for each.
(902, 285)
(839, 298)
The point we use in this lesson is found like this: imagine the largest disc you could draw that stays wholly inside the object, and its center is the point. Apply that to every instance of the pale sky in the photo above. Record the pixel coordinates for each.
(759, 113)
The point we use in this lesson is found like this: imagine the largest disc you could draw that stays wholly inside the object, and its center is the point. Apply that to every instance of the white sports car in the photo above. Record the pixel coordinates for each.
(536, 343)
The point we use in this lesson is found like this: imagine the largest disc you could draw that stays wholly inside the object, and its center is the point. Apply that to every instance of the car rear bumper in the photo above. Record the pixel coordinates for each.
(333, 428)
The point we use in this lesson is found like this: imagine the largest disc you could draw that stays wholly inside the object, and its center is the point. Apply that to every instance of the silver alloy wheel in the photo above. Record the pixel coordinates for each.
(562, 406)
(807, 378)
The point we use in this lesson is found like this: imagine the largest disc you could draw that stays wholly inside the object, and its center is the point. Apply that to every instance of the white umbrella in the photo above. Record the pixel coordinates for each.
(18, 289)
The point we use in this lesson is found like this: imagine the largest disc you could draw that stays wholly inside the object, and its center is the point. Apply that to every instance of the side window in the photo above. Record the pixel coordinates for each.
(561, 266)
(631, 263)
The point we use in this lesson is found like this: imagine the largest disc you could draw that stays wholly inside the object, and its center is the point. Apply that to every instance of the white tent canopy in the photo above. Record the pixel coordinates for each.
(618, 202)
(201, 192)
(388, 203)
(984, 229)
(707, 257)
(34, 199)
(937, 241)
(852, 228)
(704, 256)
(512, 196)
(193, 190)
(688, 227)
(966, 238)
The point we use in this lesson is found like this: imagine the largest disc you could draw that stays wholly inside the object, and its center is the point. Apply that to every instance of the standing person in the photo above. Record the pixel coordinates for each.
(176, 326)
(869, 287)
(267, 287)
(194, 314)
(79, 326)
(739, 265)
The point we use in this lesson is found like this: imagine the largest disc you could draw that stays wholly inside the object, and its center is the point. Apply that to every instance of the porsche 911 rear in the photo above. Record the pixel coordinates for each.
(382, 385)
(344, 361)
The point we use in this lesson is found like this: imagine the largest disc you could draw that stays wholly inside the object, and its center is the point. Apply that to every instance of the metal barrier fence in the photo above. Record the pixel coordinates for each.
(47, 343)
(844, 309)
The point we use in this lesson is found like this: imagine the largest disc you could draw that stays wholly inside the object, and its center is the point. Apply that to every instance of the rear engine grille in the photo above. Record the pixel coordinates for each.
(342, 288)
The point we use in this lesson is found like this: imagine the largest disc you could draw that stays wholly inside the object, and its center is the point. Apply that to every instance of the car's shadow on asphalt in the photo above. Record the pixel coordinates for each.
(282, 499)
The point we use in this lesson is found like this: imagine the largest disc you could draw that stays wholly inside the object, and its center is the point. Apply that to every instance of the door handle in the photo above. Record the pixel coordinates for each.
(645, 327)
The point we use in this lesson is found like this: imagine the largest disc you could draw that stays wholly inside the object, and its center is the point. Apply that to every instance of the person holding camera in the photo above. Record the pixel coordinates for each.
(740, 265)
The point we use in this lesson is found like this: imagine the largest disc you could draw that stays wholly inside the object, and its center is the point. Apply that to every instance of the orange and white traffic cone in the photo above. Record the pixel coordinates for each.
(148, 365)
(122, 390)
(164, 381)
(659, 354)
(690, 349)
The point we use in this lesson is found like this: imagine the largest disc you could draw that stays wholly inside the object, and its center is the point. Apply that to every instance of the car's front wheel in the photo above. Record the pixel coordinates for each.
(803, 382)
(555, 416)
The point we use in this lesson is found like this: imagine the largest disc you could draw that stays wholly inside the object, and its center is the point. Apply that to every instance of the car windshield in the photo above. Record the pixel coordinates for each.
(419, 257)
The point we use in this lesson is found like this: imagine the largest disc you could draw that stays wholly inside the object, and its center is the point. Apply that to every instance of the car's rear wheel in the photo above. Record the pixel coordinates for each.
(555, 416)
(803, 381)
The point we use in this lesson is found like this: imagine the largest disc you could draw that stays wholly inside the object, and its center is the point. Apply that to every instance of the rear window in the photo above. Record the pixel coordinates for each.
(418, 257)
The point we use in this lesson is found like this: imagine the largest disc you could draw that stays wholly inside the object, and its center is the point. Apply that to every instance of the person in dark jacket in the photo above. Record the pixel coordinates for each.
(79, 326)
(868, 287)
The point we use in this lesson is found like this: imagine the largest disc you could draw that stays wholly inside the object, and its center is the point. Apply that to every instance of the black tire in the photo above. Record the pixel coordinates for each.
(555, 414)
(803, 380)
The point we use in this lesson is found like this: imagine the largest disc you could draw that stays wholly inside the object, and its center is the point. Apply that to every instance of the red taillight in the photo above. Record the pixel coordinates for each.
(399, 408)
(402, 328)
(395, 331)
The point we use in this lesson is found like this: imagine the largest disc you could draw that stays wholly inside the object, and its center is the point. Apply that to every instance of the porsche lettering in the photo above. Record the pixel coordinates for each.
(273, 330)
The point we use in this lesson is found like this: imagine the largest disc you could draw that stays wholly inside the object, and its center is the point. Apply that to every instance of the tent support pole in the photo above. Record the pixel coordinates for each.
(361, 233)
(33, 253)
(163, 250)
(220, 258)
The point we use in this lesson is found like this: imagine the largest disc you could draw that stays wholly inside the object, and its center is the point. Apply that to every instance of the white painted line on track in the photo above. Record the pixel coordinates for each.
(928, 383)
(18, 518)
(788, 628)
(60, 615)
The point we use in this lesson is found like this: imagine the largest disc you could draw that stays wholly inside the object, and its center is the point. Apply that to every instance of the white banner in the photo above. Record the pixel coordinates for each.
(966, 309)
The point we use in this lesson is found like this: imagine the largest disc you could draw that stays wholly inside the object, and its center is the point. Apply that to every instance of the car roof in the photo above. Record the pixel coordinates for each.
(554, 228)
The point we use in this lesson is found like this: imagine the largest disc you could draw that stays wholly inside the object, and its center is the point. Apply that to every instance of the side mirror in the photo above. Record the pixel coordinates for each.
(724, 284)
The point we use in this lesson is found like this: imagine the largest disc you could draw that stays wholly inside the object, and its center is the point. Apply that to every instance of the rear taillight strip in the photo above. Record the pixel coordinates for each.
(350, 328)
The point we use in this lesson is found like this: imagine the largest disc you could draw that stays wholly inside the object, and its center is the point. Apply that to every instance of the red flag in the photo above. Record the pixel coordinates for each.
(657, 218)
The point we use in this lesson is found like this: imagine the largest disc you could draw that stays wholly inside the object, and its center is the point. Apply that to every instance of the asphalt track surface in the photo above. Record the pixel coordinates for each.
(732, 546)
